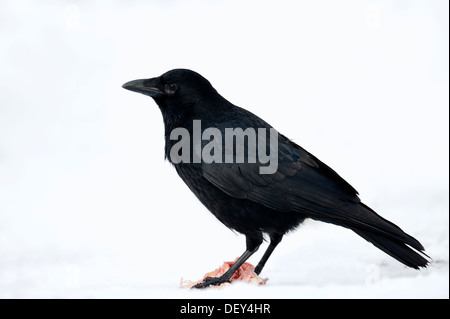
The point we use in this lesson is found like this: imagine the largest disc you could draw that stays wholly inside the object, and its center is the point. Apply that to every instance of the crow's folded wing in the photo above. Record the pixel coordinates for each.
(301, 182)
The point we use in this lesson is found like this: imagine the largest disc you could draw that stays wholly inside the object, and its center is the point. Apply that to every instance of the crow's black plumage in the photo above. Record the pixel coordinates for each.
(252, 203)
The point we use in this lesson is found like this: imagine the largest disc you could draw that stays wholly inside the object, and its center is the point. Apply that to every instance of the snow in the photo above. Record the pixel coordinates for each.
(87, 205)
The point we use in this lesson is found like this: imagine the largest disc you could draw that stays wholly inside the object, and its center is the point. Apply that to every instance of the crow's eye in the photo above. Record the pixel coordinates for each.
(170, 88)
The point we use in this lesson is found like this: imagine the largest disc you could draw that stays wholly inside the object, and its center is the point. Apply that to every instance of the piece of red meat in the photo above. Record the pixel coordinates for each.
(245, 273)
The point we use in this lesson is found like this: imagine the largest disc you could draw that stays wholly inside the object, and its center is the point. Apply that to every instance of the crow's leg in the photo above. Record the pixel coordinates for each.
(274, 241)
(253, 244)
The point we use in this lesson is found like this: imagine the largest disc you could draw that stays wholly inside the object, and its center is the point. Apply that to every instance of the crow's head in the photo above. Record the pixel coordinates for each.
(178, 90)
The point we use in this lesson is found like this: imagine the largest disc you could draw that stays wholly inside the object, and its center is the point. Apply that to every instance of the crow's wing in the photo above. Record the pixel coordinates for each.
(301, 183)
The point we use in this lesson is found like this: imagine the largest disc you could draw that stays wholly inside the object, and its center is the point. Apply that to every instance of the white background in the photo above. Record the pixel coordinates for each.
(89, 207)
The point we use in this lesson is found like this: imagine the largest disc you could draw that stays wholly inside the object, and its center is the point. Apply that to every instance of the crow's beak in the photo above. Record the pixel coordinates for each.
(145, 86)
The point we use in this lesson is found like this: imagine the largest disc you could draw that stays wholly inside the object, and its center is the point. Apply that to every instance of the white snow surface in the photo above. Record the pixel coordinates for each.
(90, 209)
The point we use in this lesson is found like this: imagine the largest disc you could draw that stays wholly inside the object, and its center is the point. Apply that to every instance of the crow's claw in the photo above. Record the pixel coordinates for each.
(210, 281)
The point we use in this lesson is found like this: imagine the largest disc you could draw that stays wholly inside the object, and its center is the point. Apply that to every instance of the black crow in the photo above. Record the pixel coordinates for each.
(253, 202)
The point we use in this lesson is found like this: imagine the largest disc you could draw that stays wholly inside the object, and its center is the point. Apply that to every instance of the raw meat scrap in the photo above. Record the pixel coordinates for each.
(245, 273)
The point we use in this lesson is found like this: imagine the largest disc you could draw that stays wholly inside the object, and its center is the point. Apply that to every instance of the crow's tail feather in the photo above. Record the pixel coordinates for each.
(391, 239)
(382, 233)
(396, 249)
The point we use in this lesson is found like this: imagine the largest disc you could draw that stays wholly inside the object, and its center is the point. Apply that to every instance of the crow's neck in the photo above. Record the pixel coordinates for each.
(172, 120)
(183, 116)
